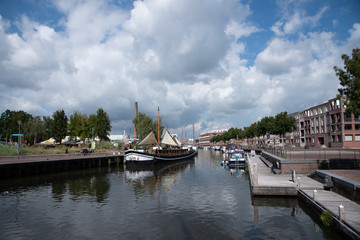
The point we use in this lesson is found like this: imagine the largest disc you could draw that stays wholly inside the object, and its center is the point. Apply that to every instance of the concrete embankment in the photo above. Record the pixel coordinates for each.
(263, 181)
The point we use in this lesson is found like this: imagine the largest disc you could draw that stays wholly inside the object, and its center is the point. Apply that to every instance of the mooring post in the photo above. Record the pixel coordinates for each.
(315, 195)
(255, 174)
(293, 175)
(341, 212)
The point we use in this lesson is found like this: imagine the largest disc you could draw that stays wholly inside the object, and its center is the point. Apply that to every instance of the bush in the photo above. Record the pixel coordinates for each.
(327, 218)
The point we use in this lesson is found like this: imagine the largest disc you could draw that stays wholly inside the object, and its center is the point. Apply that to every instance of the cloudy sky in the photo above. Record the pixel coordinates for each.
(212, 63)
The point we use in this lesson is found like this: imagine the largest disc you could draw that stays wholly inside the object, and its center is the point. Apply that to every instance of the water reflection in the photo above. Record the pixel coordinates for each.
(196, 199)
(148, 180)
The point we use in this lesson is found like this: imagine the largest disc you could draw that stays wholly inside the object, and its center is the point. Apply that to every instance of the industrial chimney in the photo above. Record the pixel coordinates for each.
(136, 112)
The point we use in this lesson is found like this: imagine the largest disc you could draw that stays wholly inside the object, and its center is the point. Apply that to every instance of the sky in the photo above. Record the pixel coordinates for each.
(211, 64)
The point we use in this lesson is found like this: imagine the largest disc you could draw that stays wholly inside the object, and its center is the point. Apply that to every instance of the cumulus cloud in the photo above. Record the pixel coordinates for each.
(184, 57)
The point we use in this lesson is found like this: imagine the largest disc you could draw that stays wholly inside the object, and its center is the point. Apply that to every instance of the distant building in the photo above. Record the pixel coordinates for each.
(204, 138)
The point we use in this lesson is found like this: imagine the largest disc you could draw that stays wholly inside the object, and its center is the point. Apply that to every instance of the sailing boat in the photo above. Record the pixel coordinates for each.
(172, 152)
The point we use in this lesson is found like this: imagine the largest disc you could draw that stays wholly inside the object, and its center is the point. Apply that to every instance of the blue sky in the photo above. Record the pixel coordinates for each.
(214, 64)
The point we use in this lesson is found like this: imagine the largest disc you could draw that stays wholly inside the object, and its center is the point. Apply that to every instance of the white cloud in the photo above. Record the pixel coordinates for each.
(181, 56)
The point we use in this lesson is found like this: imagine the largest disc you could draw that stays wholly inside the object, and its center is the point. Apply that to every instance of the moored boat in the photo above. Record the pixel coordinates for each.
(171, 152)
(236, 158)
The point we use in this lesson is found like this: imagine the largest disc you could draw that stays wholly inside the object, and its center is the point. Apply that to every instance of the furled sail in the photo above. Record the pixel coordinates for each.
(167, 139)
(148, 140)
(177, 141)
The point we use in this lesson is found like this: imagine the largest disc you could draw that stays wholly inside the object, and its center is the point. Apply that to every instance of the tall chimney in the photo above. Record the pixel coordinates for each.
(136, 112)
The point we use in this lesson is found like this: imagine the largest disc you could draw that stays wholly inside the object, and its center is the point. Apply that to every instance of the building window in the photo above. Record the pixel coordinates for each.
(357, 118)
(334, 138)
(348, 138)
(347, 118)
(357, 127)
(357, 138)
(348, 127)
(339, 138)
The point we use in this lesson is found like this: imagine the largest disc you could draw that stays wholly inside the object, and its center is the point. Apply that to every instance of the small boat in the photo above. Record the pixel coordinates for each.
(236, 158)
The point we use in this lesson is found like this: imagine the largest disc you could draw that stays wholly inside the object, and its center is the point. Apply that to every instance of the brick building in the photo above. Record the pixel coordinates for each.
(204, 138)
(326, 125)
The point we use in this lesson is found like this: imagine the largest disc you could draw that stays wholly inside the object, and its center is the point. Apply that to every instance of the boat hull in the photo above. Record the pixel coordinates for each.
(135, 157)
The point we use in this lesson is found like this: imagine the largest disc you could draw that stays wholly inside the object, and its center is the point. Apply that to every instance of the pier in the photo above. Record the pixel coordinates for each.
(345, 212)
(38, 164)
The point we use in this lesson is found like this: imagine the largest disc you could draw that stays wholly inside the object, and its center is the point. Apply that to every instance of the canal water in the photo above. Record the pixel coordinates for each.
(197, 199)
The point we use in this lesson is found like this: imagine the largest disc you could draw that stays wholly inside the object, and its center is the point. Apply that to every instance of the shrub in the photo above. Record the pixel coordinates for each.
(327, 218)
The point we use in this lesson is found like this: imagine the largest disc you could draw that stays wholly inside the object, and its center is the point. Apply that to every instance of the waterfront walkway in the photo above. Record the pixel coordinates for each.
(268, 183)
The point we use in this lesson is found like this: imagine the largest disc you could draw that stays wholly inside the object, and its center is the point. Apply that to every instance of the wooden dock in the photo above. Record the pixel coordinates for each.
(264, 182)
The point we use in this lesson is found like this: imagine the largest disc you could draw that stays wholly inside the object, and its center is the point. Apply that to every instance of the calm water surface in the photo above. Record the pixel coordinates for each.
(198, 199)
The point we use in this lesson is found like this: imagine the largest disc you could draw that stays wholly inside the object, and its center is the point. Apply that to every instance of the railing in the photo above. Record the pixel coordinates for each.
(312, 154)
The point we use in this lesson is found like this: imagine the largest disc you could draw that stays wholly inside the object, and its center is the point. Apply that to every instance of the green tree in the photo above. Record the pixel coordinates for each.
(89, 125)
(144, 124)
(103, 124)
(59, 125)
(35, 130)
(266, 126)
(47, 120)
(75, 125)
(350, 80)
(284, 124)
(9, 122)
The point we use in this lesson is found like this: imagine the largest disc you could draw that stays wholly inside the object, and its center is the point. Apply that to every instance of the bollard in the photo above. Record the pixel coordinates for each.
(341, 212)
(293, 175)
(315, 195)
(255, 174)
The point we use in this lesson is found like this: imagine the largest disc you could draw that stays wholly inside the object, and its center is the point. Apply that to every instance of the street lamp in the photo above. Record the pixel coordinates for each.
(19, 139)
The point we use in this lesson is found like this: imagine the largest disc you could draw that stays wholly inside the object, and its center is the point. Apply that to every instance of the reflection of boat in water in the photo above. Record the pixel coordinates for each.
(236, 170)
(235, 158)
(147, 176)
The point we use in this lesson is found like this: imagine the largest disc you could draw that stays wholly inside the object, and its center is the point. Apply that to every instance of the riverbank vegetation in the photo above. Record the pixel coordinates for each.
(36, 128)
(11, 149)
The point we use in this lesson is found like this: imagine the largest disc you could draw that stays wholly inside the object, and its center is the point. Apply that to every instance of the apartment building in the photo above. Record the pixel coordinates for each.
(327, 125)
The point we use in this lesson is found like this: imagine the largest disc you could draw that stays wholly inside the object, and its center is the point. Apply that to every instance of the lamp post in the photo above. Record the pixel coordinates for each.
(19, 139)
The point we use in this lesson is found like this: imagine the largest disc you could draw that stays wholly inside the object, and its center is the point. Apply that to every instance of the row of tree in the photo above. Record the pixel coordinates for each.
(58, 126)
(279, 125)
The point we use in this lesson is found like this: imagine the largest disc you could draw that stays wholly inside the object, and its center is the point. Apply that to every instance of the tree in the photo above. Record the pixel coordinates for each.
(47, 120)
(266, 126)
(103, 124)
(9, 122)
(35, 130)
(59, 125)
(75, 125)
(284, 124)
(350, 80)
(89, 125)
(144, 125)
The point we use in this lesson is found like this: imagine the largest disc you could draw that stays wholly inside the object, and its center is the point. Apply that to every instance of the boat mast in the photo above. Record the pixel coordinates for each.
(159, 127)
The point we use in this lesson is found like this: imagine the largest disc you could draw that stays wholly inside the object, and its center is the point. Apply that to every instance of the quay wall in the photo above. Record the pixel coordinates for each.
(31, 165)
